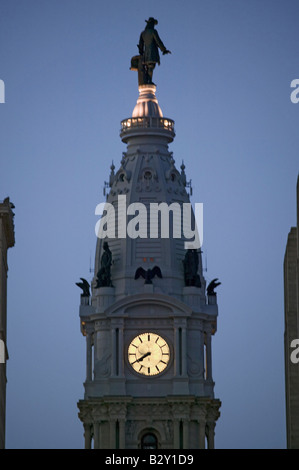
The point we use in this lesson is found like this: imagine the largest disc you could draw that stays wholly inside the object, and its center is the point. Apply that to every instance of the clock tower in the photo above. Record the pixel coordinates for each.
(149, 319)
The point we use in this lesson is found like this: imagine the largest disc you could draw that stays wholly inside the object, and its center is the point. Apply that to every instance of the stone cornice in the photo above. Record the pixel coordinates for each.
(178, 308)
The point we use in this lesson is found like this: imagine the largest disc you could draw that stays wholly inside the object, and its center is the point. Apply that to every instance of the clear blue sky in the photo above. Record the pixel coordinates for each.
(65, 64)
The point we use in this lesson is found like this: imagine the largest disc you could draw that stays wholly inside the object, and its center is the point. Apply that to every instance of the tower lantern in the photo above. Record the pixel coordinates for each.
(149, 320)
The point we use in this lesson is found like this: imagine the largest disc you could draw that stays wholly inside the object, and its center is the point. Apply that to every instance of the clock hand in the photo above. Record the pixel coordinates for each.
(145, 355)
(142, 357)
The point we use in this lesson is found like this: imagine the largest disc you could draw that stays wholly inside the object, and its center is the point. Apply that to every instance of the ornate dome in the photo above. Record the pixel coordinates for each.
(147, 103)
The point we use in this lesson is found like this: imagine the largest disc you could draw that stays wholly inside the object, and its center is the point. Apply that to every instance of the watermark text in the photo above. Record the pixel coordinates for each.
(295, 353)
(2, 91)
(2, 352)
(158, 220)
(295, 93)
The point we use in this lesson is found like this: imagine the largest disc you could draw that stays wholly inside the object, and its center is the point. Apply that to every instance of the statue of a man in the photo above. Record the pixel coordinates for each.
(149, 45)
(191, 263)
(103, 275)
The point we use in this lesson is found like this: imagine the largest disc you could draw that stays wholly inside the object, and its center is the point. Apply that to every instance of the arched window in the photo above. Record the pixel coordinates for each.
(149, 441)
(147, 175)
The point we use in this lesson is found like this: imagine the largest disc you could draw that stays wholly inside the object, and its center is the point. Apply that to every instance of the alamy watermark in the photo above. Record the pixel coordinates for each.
(295, 353)
(138, 220)
(2, 91)
(2, 352)
(295, 93)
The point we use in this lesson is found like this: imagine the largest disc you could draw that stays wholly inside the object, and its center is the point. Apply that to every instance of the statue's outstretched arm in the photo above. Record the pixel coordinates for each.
(160, 43)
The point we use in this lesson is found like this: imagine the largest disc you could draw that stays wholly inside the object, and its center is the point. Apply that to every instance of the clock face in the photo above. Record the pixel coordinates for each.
(148, 354)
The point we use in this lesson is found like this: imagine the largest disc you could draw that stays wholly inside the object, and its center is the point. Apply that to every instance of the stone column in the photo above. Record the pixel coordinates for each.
(199, 413)
(185, 434)
(212, 416)
(176, 433)
(209, 355)
(184, 351)
(211, 434)
(95, 351)
(87, 435)
(96, 435)
(122, 434)
(120, 352)
(202, 434)
(88, 355)
(177, 350)
(113, 358)
(112, 433)
(180, 337)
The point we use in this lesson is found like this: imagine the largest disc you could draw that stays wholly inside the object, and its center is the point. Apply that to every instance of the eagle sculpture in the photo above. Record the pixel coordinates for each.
(84, 285)
(213, 284)
(148, 274)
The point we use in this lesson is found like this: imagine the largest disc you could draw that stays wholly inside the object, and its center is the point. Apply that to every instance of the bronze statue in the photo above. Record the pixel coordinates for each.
(138, 65)
(84, 285)
(191, 263)
(148, 274)
(213, 284)
(149, 45)
(104, 275)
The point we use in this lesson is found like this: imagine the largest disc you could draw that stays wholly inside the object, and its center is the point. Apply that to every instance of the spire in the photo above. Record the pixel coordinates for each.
(112, 176)
(183, 174)
(148, 178)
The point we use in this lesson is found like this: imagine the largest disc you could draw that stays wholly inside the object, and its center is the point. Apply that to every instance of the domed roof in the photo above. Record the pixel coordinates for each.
(147, 103)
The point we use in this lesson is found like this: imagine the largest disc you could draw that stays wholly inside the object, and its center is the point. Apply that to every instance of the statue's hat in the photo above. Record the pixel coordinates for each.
(152, 20)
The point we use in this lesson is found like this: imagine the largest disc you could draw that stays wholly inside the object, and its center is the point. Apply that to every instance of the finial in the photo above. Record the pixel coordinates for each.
(183, 174)
(148, 46)
(112, 176)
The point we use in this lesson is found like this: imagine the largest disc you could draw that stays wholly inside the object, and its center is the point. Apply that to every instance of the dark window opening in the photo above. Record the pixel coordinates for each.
(149, 441)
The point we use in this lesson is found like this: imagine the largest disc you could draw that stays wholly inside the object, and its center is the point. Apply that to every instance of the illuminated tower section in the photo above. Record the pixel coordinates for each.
(149, 320)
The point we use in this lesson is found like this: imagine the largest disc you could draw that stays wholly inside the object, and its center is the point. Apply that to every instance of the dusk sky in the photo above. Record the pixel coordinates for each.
(65, 65)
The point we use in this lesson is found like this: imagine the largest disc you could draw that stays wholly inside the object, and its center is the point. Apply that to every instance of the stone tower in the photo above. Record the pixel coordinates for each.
(7, 240)
(149, 320)
(291, 332)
